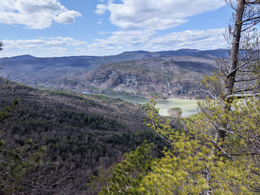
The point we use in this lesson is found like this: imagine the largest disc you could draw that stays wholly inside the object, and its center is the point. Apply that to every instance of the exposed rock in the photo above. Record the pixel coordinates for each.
(178, 77)
(161, 69)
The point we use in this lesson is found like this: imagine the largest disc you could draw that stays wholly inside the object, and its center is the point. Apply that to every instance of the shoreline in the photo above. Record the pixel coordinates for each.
(127, 94)
(188, 106)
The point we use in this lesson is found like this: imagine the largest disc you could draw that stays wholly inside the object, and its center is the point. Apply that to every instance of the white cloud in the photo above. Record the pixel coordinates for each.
(67, 17)
(125, 38)
(82, 51)
(52, 42)
(104, 32)
(118, 42)
(101, 9)
(35, 14)
(150, 41)
(56, 49)
(194, 39)
(154, 14)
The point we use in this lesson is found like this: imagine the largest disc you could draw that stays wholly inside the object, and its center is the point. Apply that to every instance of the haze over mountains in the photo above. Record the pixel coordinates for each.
(171, 73)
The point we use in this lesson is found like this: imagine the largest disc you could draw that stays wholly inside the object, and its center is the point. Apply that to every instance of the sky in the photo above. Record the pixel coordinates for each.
(49, 28)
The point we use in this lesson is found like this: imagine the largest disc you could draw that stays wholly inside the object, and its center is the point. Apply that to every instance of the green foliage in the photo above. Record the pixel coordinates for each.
(17, 163)
(175, 109)
(193, 166)
(174, 112)
(97, 182)
(126, 175)
(4, 113)
(17, 166)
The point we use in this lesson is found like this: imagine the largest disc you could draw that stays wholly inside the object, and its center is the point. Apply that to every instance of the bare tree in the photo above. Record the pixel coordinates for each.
(231, 126)
(240, 73)
(244, 52)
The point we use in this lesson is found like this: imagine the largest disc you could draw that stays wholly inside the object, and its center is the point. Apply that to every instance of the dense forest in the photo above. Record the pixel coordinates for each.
(87, 131)
(55, 142)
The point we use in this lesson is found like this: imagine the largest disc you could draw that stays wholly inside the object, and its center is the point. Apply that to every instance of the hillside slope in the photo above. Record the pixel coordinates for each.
(163, 77)
(66, 71)
(87, 130)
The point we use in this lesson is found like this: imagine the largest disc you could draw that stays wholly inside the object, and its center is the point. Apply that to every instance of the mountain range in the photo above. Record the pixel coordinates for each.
(89, 131)
(164, 73)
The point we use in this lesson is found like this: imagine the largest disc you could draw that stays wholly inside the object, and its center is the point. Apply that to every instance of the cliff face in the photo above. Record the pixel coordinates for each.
(165, 73)
(114, 79)
(120, 81)
(164, 77)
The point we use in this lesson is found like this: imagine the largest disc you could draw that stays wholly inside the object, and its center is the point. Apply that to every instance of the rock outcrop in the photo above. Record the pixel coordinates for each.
(178, 77)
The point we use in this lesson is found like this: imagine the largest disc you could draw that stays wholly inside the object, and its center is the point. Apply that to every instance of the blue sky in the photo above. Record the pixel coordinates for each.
(105, 27)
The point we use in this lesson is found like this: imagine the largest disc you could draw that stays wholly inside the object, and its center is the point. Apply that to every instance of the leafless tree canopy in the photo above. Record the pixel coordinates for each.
(241, 70)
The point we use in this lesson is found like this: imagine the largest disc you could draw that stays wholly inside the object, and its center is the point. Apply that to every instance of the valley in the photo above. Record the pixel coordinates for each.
(187, 106)
(85, 110)
(165, 74)
(85, 131)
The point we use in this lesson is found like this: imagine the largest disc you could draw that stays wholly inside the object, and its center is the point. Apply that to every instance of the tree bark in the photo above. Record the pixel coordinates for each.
(235, 47)
(233, 59)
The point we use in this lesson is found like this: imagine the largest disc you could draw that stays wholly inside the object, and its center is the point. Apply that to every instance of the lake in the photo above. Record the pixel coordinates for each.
(188, 106)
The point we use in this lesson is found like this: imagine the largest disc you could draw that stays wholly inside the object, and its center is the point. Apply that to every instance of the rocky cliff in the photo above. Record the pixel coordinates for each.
(164, 74)
(162, 77)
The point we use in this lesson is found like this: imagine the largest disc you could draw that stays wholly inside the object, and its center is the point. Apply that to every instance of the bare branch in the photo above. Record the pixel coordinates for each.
(222, 150)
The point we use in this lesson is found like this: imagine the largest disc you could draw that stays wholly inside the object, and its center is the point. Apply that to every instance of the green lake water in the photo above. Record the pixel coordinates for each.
(188, 106)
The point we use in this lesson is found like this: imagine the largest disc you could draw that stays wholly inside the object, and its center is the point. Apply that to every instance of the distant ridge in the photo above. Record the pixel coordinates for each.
(180, 52)
(72, 71)
(169, 53)
(138, 51)
(21, 57)
(194, 52)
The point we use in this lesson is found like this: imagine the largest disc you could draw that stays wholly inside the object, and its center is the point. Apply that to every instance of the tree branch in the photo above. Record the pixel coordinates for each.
(250, 19)
(222, 150)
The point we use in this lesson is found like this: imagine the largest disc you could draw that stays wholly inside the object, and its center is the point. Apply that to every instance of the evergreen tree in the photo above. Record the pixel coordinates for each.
(217, 152)
(22, 168)
(125, 176)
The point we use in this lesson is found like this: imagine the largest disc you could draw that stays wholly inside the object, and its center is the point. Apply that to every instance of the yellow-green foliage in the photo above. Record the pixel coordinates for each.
(198, 161)
(195, 163)
(125, 176)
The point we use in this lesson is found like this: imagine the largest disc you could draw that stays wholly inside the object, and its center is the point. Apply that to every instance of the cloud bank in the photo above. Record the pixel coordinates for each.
(119, 41)
(52, 42)
(154, 14)
(35, 14)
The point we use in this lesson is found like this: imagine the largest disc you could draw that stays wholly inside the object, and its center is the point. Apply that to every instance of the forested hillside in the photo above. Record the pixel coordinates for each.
(56, 142)
(217, 150)
(153, 71)
(85, 130)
